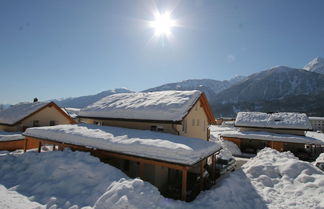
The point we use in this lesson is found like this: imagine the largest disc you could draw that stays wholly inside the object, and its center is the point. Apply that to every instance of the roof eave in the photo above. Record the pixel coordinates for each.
(294, 129)
(137, 120)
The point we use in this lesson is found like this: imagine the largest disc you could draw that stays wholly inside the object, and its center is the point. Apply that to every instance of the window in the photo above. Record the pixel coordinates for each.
(193, 122)
(35, 123)
(160, 128)
(157, 128)
(98, 123)
(153, 128)
(52, 123)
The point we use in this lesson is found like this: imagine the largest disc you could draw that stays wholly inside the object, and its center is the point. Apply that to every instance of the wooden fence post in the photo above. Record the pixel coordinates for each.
(25, 145)
(39, 146)
(184, 185)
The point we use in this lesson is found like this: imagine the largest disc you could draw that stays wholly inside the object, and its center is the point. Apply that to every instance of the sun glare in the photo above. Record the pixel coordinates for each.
(162, 24)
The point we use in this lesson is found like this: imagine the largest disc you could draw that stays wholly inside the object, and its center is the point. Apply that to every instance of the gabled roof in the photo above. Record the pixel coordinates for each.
(148, 144)
(281, 120)
(19, 112)
(158, 106)
(316, 118)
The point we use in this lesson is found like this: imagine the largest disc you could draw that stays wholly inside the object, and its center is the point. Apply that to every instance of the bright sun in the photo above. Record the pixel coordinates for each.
(162, 24)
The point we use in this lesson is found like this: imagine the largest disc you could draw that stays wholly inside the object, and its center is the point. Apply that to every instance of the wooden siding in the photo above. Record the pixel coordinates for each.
(18, 144)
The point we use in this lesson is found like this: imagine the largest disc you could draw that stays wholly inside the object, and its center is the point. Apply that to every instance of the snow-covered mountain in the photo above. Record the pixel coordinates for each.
(277, 89)
(316, 65)
(209, 86)
(83, 101)
(275, 83)
(280, 88)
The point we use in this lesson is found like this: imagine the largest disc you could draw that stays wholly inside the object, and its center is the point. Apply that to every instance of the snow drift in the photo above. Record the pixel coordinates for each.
(63, 179)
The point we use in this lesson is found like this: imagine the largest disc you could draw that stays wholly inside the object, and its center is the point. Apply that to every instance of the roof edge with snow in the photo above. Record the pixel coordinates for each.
(138, 143)
(161, 106)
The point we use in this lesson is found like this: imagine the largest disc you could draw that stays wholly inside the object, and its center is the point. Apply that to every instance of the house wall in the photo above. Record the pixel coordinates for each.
(277, 146)
(195, 124)
(167, 127)
(44, 116)
(256, 144)
(8, 128)
(317, 124)
(279, 131)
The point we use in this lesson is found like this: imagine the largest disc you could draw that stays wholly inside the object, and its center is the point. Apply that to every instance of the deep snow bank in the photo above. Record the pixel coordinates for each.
(13, 200)
(269, 180)
(70, 177)
(284, 181)
(134, 194)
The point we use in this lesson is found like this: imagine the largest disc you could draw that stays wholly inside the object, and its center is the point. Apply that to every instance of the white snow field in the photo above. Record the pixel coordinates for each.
(14, 200)
(69, 177)
(76, 179)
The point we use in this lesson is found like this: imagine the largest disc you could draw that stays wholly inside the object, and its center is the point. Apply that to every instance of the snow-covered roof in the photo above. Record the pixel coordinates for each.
(19, 111)
(148, 144)
(320, 158)
(316, 118)
(267, 136)
(10, 136)
(161, 105)
(281, 120)
(72, 112)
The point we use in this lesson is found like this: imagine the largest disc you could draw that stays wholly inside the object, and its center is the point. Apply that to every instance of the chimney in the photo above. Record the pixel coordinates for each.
(35, 99)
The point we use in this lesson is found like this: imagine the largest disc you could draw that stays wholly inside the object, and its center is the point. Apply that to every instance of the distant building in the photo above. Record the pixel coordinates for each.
(317, 123)
(185, 113)
(281, 131)
(281, 123)
(24, 115)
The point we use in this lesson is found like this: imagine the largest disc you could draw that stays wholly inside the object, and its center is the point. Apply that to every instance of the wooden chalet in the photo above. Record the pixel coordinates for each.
(19, 117)
(184, 113)
(280, 131)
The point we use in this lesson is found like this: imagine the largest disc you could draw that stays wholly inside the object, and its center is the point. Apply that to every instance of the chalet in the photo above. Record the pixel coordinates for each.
(281, 131)
(24, 115)
(281, 123)
(21, 116)
(177, 165)
(317, 123)
(185, 113)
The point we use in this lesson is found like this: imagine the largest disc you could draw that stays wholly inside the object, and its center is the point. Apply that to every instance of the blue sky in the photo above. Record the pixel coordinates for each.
(62, 48)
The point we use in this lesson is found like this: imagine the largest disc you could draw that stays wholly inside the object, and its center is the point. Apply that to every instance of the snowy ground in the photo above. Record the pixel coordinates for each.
(13, 200)
(216, 131)
(76, 179)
